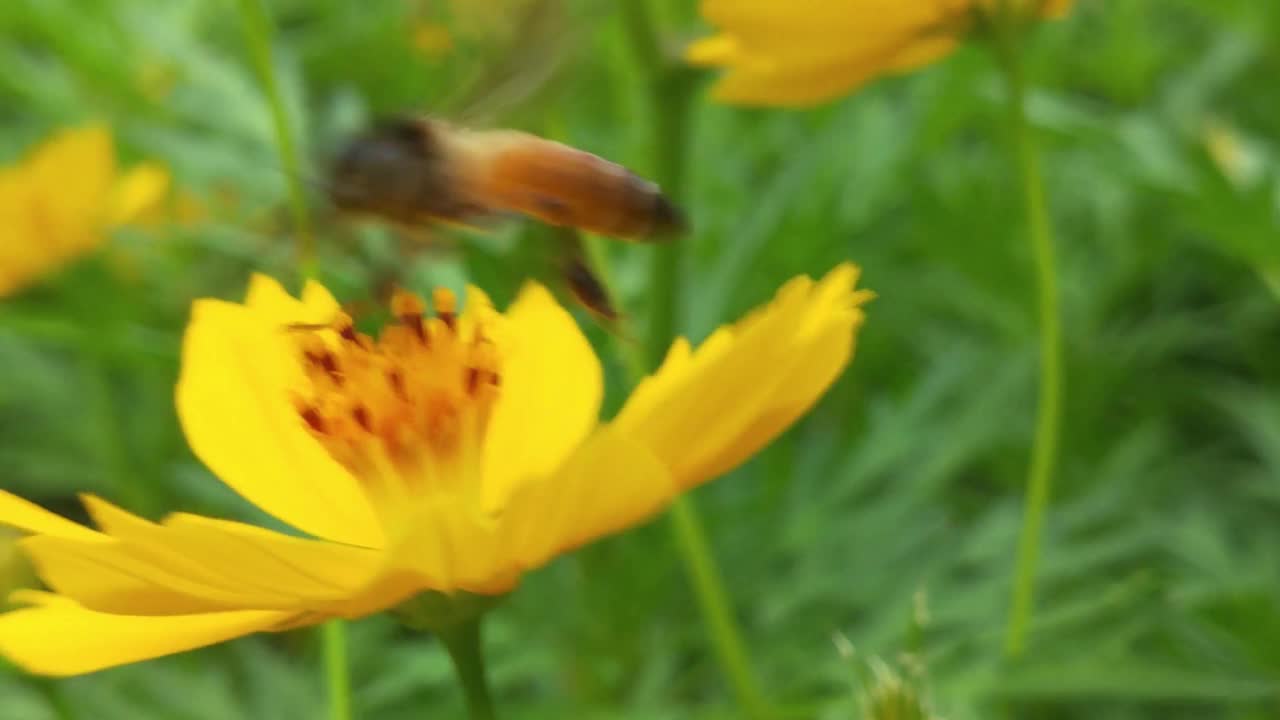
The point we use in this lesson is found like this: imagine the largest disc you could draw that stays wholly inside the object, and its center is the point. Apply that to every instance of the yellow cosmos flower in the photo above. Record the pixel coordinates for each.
(449, 455)
(59, 203)
(805, 52)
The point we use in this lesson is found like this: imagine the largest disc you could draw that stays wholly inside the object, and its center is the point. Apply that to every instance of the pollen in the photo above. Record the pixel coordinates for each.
(412, 403)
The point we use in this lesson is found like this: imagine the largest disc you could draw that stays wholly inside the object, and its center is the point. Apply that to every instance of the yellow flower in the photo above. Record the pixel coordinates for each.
(59, 203)
(809, 51)
(433, 39)
(450, 455)
(15, 571)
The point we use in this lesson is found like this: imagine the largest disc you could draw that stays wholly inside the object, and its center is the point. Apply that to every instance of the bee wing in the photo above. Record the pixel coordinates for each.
(542, 41)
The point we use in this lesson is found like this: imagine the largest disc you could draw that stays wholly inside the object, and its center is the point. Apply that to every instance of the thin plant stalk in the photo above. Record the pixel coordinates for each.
(463, 643)
(334, 634)
(670, 90)
(259, 34)
(1044, 448)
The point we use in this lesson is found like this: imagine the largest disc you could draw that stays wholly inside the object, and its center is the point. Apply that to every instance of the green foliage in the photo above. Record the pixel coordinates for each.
(1160, 587)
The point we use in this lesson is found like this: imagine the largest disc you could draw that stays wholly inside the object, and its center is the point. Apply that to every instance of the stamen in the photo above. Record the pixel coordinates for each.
(346, 328)
(409, 310)
(396, 381)
(400, 403)
(314, 419)
(361, 415)
(446, 306)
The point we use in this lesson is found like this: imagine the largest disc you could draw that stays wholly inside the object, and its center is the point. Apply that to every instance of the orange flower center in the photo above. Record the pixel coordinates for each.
(406, 411)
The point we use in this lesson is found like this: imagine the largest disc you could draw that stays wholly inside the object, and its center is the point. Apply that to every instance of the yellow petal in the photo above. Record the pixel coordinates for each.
(781, 54)
(803, 81)
(823, 24)
(311, 570)
(275, 306)
(451, 547)
(71, 177)
(194, 564)
(138, 193)
(719, 49)
(108, 578)
(611, 483)
(238, 370)
(318, 302)
(27, 516)
(1055, 8)
(62, 638)
(705, 412)
(550, 397)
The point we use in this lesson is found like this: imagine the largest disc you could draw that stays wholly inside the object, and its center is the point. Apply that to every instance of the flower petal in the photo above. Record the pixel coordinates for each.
(137, 193)
(311, 570)
(61, 638)
(107, 577)
(846, 19)
(705, 412)
(796, 56)
(552, 386)
(239, 368)
(452, 547)
(29, 517)
(721, 49)
(610, 483)
(194, 565)
(800, 80)
(275, 306)
(228, 564)
(70, 177)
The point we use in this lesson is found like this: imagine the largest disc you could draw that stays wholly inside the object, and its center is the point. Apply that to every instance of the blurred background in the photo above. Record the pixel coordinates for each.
(887, 520)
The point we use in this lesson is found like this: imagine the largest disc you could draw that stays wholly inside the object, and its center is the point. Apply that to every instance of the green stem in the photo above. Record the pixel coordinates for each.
(717, 610)
(670, 89)
(463, 643)
(335, 665)
(1044, 447)
(259, 32)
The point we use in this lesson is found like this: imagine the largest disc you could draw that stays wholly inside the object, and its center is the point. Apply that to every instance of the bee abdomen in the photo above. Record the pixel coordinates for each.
(564, 186)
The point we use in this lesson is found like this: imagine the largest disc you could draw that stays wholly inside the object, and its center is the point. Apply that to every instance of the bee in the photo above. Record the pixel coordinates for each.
(422, 170)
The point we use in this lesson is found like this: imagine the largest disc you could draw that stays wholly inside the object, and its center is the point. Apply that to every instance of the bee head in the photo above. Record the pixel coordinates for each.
(668, 221)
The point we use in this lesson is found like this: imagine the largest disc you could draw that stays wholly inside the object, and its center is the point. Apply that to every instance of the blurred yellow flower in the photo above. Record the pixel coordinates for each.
(451, 454)
(809, 51)
(432, 39)
(60, 202)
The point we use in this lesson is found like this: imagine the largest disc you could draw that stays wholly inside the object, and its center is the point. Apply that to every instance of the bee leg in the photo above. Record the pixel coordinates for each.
(589, 291)
(582, 282)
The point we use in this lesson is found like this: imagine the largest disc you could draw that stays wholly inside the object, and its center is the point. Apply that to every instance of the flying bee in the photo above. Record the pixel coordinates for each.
(422, 170)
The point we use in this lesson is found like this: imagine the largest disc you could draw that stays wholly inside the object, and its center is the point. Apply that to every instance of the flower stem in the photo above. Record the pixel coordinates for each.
(335, 664)
(1044, 447)
(259, 33)
(671, 88)
(717, 611)
(462, 640)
